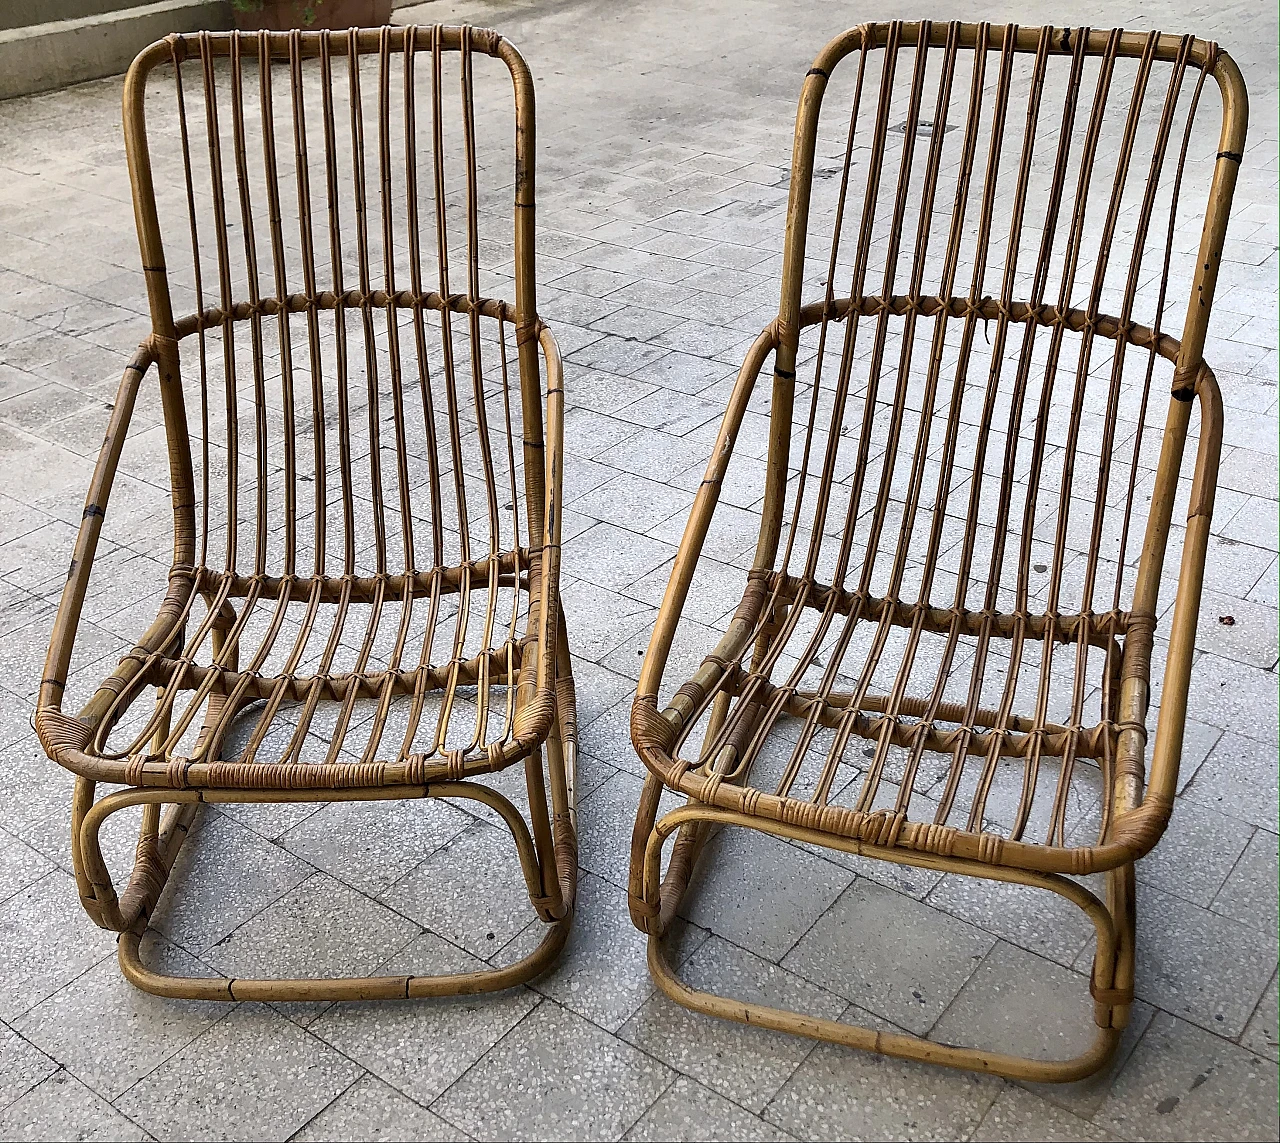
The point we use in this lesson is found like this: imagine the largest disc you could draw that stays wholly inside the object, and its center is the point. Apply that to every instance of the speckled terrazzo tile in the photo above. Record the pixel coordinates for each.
(555, 1076)
(602, 974)
(1018, 1115)
(745, 1064)
(46, 940)
(760, 892)
(691, 1113)
(1035, 919)
(1180, 968)
(252, 1075)
(20, 865)
(1261, 1034)
(22, 1066)
(843, 1093)
(1021, 1004)
(606, 818)
(369, 1109)
(420, 1047)
(110, 1034)
(223, 876)
(1083, 1097)
(471, 890)
(890, 954)
(1185, 1083)
(63, 1108)
(319, 928)
(1197, 852)
(1248, 895)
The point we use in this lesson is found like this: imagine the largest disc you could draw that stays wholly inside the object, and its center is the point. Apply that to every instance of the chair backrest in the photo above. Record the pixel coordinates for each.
(337, 233)
(991, 237)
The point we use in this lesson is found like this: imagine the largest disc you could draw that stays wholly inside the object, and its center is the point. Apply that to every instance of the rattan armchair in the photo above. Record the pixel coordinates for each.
(954, 618)
(365, 468)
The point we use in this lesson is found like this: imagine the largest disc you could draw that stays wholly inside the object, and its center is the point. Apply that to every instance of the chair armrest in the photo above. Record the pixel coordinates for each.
(553, 440)
(695, 531)
(1167, 753)
(49, 719)
(1139, 823)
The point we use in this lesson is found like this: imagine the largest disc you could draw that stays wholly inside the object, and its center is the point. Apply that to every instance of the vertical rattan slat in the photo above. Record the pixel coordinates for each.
(946, 574)
(388, 632)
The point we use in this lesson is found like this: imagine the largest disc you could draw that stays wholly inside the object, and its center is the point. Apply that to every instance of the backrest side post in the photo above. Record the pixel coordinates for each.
(793, 258)
(527, 324)
(164, 337)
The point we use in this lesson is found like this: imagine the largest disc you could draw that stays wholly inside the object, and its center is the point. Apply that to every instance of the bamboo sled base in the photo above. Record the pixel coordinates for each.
(364, 416)
(662, 899)
(952, 627)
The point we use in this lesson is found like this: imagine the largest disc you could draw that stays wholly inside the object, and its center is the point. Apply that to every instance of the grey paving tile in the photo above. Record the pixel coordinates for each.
(594, 388)
(46, 940)
(761, 893)
(1199, 849)
(1084, 1097)
(1184, 1083)
(613, 557)
(370, 845)
(1246, 896)
(369, 1109)
(689, 1111)
(1021, 1004)
(20, 865)
(1179, 962)
(890, 954)
(649, 451)
(589, 434)
(1017, 1114)
(471, 891)
(254, 1074)
(1261, 1034)
(632, 502)
(605, 821)
(841, 1093)
(744, 1064)
(1034, 919)
(223, 876)
(63, 1108)
(110, 1034)
(1239, 779)
(320, 928)
(602, 974)
(22, 1066)
(1237, 629)
(555, 1076)
(420, 1047)
(601, 619)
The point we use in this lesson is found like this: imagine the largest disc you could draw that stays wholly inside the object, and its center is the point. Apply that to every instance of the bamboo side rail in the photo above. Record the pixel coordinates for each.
(958, 569)
(365, 447)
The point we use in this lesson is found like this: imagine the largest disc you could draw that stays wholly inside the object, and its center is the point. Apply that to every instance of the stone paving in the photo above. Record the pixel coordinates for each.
(658, 119)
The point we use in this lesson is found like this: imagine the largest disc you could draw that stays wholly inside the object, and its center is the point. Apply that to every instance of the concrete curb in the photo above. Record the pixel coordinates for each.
(41, 57)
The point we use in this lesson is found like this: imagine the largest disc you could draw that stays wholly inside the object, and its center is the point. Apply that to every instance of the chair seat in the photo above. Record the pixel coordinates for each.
(291, 681)
(904, 719)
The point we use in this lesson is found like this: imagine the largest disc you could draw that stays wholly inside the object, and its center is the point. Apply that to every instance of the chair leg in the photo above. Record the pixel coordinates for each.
(661, 900)
(158, 849)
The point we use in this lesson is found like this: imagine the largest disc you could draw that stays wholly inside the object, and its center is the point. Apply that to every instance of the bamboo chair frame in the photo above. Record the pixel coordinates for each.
(733, 694)
(516, 670)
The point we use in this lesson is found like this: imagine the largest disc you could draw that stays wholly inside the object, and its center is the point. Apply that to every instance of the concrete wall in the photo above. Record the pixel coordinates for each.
(95, 38)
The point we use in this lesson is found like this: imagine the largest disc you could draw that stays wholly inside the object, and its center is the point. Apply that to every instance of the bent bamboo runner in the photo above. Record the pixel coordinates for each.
(364, 597)
(943, 656)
